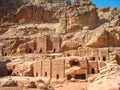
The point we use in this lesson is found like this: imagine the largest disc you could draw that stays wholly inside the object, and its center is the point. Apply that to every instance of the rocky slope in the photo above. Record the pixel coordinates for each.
(105, 35)
(105, 79)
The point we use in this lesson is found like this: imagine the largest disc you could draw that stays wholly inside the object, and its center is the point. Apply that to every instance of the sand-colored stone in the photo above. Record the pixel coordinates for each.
(47, 45)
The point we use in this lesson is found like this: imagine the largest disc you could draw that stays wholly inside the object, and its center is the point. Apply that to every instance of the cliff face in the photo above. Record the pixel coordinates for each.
(14, 8)
(8, 6)
(29, 13)
(77, 16)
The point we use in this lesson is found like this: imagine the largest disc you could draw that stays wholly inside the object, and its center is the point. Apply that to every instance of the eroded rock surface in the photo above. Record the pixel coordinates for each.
(78, 15)
(61, 43)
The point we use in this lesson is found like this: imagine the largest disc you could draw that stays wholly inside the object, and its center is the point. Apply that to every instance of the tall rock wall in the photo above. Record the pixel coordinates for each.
(8, 6)
(20, 10)
(30, 13)
(77, 16)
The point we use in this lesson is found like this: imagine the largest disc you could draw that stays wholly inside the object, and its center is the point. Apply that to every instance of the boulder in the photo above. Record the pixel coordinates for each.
(29, 84)
(105, 38)
(8, 83)
(24, 69)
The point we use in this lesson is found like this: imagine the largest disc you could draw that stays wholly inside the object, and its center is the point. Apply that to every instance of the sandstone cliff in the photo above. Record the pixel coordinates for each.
(30, 13)
(8, 6)
(78, 15)
(18, 11)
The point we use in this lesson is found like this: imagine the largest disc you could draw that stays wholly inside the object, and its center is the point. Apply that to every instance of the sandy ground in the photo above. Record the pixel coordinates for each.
(9, 88)
(79, 85)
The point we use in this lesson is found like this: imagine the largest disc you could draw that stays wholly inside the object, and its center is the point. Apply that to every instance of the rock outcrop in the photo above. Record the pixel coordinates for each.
(25, 69)
(103, 36)
(25, 83)
(105, 79)
(107, 14)
(8, 6)
(8, 83)
(29, 10)
(78, 15)
(30, 13)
